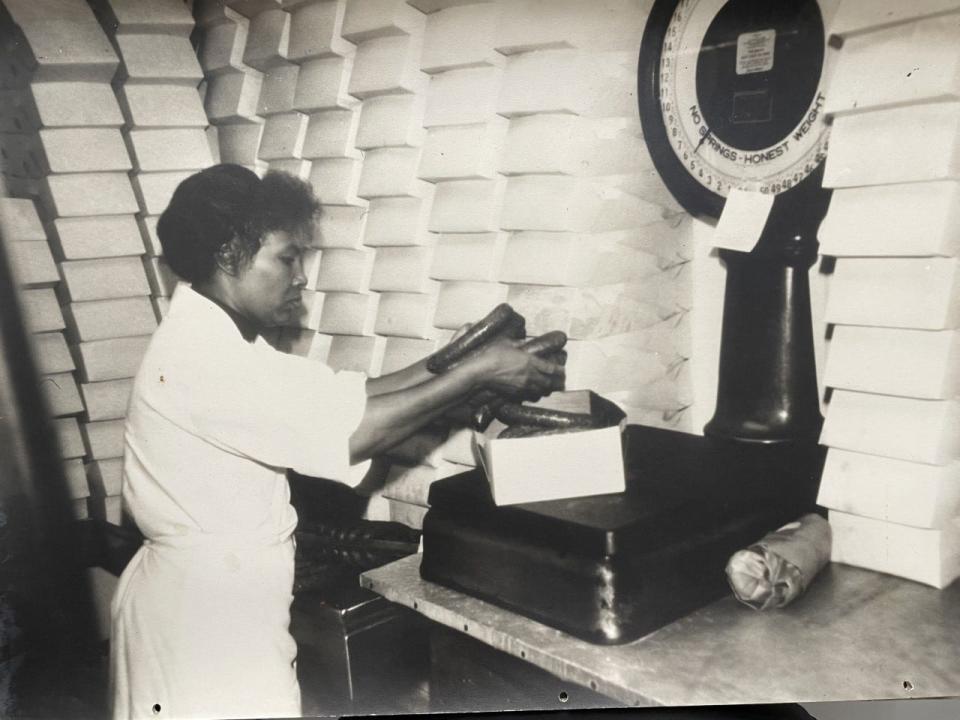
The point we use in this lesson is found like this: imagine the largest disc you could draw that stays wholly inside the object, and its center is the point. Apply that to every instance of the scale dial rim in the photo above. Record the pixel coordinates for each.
(694, 196)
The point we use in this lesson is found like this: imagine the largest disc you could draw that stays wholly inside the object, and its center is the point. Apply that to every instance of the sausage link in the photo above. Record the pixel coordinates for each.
(516, 327)
(477, 336)
(548, 342)
(528, 431)
(516, 431)
(514, 414)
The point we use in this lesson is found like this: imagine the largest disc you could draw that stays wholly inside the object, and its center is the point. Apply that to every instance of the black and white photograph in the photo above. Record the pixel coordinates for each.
(573, 358)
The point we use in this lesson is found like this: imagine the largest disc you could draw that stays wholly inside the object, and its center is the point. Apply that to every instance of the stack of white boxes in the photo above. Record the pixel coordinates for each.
(72, 150)
(36, 273)
(462, 151)
(456, 172)
(595, 245)
(277, 74)
(232, 88)
(396, 248)
(88, 205)
(164, 129)
(466, 154)
(538, 201)
(267, 48)
(284, 128)
(328, 144)
(892, 479)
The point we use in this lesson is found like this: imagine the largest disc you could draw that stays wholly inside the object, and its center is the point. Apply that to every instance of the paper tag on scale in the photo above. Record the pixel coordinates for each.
(742, 220)
(755, 52)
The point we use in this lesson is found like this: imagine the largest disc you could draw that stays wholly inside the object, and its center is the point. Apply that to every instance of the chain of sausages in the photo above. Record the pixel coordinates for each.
(503, 321)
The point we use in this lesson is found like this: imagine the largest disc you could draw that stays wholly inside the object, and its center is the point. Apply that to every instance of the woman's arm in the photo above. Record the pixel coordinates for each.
(394, 415)
(399, 380)
(407, 377)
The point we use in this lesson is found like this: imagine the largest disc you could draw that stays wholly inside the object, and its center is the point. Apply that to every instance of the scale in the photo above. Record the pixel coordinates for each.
(731, 96)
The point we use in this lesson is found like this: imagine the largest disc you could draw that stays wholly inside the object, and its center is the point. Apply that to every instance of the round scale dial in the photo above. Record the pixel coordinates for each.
(732, 94)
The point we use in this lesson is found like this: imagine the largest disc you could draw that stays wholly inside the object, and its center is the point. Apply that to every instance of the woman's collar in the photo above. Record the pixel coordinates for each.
(248, 329)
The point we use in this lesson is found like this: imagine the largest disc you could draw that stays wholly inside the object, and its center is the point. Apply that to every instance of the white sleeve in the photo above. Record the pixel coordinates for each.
(283, 410)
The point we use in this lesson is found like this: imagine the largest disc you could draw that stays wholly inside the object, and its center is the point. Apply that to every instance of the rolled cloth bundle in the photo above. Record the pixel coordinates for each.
(773, 572)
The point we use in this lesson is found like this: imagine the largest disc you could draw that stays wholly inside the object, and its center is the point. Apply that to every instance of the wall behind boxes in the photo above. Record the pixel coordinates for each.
(466, 153)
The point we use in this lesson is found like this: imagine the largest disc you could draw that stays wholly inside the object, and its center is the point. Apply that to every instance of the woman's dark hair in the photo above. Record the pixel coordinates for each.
(228, 208)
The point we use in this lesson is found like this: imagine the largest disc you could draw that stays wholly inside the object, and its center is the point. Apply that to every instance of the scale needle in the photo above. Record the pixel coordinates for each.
(703, 139)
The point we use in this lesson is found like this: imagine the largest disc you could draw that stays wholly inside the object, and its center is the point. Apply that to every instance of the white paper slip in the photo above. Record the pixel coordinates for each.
(742, 220)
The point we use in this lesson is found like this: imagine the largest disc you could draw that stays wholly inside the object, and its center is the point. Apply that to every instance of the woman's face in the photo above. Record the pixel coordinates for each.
(268, 287)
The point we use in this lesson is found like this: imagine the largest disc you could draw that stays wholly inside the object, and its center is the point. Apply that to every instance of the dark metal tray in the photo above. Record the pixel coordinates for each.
(612, 568)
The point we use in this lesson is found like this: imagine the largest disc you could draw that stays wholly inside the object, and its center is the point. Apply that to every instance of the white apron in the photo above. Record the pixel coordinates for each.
(200, 618)
(200, 630)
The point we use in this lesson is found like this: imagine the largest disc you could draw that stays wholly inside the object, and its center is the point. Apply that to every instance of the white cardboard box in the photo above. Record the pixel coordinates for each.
(896, 491)
(853, 17)
(927, 556)
(919, 143)
(907, 64)
(906, 219)
(553, 467)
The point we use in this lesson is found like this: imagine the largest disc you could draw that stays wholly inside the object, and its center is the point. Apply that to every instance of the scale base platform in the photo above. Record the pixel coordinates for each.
(613, 568)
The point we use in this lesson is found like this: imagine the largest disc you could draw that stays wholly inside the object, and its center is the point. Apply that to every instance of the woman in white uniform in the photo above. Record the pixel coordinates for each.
(201, 613)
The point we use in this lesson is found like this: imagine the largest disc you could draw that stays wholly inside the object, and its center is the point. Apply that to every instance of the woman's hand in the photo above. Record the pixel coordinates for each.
(505, 368)
(402, 402)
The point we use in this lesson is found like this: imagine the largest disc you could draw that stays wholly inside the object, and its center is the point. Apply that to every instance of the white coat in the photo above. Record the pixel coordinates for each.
(200, 618)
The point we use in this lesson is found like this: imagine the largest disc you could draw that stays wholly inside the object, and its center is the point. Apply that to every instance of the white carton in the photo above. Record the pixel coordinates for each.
(555, 467)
